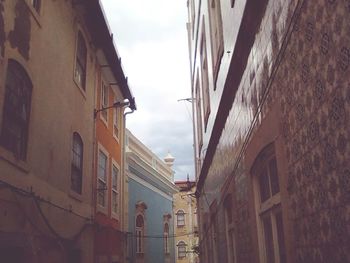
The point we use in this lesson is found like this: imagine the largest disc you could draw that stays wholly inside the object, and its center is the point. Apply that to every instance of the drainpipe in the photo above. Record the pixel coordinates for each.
(124, 220)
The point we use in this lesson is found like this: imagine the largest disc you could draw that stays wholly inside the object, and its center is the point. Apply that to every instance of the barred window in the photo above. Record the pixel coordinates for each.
(77, 163)
(16, 111)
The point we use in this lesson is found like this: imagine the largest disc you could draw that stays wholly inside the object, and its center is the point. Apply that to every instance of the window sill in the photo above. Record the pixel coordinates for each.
(75, 195)
(82, 91)
(115, 215)
(9, 157)
(105, 121)
(115, 137)
(102, 209)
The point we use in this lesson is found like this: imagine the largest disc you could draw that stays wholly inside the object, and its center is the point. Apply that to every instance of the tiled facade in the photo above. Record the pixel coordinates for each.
(283, 81)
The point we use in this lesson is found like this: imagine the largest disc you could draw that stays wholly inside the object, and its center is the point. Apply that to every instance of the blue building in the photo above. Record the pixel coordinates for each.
(150, 193)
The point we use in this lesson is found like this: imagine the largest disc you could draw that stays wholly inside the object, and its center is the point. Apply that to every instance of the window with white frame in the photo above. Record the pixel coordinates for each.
(205, 80)
(230, 234)
(104, 100)
(199, 117)
(77, 163)
(216, 34)
(180, 218)
(80, 61)
(102, 179)
(116, 122)
(16, 110)
(270, 222)
(181, 250)
(115, 178)
(140, 226)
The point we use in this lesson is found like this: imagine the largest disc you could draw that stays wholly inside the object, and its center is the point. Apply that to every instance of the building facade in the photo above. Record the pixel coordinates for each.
(270, 88)
(185, 223)
(150, 194)
(50, 54)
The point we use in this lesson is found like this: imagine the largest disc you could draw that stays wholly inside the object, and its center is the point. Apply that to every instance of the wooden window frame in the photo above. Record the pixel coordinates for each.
(115, 189)
(77, 168)
(102, 181)
(80, 71)
(205, 78)
(180, 213)
(104, 102)
(181, 245)
(268, 209)
(216, 36)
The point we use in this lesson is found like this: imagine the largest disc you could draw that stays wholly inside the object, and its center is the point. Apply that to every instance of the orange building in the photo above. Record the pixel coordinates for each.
(113, 96)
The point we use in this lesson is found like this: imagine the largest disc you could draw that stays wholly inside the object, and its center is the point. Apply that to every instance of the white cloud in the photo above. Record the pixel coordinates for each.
(151, 38)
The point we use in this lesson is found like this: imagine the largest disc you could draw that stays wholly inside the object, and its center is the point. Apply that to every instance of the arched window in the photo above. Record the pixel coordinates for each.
(16, 111)
(140, 226)
(181, 250)
(80, 64)
(180, 218)
(77, 163)
(166, 238)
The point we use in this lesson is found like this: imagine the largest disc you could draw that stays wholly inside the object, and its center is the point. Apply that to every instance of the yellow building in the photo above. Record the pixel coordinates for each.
(49, 52)
(185, 222)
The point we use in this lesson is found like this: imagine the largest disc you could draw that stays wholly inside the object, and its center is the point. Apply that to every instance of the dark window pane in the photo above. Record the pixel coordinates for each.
(268, 239)
(16, 111)
(280, 234)
(80, 67)
(264, 186)
(274, 176)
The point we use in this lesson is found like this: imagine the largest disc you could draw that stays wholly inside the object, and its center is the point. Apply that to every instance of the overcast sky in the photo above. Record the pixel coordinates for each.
(151, 39)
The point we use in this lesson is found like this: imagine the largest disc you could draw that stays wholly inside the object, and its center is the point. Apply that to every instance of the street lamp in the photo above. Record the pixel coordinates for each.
(117, 104)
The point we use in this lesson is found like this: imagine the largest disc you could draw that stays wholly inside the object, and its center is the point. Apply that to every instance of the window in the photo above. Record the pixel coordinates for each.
(104, 100)
(115, 178)
(217, 41)
(181, 250)
(230, 234)
(205, 81)
(102, 179)
(116, 122)
(16, 111)
(80, 63)
(180, 215)
(166, 238)
(269, 207)
(192, 10)
(199, 118)
(139, 233)
(36, 5)
(77, 163)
